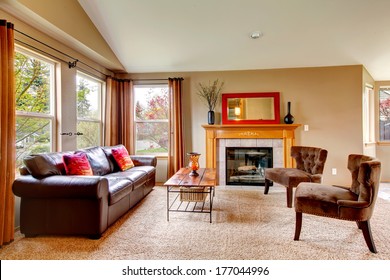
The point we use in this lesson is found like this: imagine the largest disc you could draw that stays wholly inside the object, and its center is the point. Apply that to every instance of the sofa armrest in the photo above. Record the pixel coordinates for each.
(144, 160)
(60, 186)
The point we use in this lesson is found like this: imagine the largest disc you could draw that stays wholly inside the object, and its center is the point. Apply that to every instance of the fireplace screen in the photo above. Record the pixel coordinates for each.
(245, 166)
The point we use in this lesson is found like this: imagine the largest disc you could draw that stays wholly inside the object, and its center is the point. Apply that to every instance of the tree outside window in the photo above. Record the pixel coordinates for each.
(384, 114)
(34, 90)
(89, 112)
(151, 119)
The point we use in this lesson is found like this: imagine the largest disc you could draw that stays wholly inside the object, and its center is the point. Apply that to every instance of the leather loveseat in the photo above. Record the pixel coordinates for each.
(55, 203)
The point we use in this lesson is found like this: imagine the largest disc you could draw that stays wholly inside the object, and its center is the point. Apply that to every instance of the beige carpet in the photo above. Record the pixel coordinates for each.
(246, 225)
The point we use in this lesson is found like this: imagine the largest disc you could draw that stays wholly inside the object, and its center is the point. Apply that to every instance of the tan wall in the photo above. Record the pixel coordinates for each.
(328, 99)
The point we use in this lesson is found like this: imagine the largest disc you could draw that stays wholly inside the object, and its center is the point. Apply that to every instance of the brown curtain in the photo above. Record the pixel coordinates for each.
(176, 145)
(118, 116)
(7, 132)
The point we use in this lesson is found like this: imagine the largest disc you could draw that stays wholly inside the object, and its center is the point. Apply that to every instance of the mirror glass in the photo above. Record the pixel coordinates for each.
(249, 108)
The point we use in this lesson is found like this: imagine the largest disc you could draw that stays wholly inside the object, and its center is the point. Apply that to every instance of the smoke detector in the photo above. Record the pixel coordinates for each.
(256, 34)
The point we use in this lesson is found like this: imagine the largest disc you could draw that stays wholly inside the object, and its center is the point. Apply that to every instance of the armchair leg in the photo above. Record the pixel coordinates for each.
(365, 227)
(298, 225)
(266, 186)
(289, 197)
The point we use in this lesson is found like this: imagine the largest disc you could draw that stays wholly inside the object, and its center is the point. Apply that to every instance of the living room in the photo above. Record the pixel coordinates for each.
(326, 98)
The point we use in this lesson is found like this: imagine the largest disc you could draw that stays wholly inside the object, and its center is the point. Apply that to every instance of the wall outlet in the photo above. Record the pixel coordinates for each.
(334, 171)
(306, 127)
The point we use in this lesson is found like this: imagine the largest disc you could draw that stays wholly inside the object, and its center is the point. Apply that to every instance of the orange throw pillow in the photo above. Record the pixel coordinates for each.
(77, 164)
(122, 158)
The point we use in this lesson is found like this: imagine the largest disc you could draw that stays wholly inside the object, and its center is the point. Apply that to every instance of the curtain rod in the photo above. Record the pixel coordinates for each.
(149, 80)
(166, 79)
(70, 64)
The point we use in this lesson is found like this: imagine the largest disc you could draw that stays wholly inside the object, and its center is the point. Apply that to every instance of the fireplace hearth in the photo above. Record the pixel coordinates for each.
(246, 165)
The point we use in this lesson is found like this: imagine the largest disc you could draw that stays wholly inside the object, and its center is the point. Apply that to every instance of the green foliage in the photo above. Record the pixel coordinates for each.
(32, 83)
(153, 109)
(32, 95)
(88, 134)
(83, 105)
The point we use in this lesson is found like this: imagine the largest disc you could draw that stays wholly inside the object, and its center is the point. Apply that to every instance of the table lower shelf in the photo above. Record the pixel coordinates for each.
(190, 199)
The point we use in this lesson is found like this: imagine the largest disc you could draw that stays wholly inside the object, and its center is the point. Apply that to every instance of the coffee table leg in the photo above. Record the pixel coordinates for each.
(212, 193)
(168, 203)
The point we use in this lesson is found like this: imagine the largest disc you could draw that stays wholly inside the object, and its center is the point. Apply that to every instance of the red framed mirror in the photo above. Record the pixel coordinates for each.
(251, 108)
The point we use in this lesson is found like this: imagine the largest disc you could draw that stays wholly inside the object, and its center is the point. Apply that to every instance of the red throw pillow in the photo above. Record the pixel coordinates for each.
(77, 164)
(122, 158)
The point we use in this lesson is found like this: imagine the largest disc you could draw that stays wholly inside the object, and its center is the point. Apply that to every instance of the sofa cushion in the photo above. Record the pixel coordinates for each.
(137, 177)
(321, 200)
(43, 165)
(118, 187)
(122, 158)
(288, 176)
(77, 164)
(145, 168)
(98, 160)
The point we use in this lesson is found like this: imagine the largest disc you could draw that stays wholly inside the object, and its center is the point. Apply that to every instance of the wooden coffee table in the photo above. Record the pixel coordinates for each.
(193, 194)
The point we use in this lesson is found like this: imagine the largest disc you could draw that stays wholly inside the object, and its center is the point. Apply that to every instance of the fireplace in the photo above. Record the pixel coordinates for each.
(278, 136)
(246, 165)
(273, 146)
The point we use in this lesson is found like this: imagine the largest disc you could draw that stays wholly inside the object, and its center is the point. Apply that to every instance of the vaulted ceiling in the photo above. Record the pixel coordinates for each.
(208, 35)
(201, 35)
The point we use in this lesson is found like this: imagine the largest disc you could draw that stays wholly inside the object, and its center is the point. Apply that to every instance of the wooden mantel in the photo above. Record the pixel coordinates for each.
(250, 131)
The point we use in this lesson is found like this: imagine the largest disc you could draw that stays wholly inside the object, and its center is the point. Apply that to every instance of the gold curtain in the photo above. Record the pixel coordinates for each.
(176, 145)
(7, 132)
(118, 117)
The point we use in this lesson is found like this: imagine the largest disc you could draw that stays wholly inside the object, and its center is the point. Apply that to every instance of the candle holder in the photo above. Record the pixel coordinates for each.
(194, 164)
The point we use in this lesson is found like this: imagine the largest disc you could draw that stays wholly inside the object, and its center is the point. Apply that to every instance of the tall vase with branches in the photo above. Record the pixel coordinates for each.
(210, 94)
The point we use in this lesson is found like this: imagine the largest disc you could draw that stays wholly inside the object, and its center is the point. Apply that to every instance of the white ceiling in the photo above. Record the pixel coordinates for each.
(203, 35)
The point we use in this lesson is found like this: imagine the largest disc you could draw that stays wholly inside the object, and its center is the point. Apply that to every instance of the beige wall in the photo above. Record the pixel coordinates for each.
(328, 99)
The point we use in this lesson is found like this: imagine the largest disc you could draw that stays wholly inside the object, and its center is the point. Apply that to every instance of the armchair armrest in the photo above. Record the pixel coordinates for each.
(353, 204)
(145, 160)
(316, 178)
(59, 186)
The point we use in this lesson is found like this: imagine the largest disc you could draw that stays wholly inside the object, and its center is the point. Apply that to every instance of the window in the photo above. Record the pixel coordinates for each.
(89, 111)
(368, 115)
(151, 119)
(384, 114)
(34, 89)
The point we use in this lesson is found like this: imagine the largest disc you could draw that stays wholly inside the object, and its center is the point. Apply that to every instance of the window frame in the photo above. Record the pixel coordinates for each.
(380, 141)
(52, 115)
(101, 104)
(135, 121)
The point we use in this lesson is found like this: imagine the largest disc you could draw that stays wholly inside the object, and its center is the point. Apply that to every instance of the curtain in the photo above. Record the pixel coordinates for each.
(176, 145)
(7, 132)
(118, 117)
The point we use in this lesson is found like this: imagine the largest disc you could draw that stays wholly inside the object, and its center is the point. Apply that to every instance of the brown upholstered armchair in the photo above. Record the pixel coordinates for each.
(355, 203)
(310, 162)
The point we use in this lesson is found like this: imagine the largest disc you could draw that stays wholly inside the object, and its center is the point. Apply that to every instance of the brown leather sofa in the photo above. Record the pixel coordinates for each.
(55, 203)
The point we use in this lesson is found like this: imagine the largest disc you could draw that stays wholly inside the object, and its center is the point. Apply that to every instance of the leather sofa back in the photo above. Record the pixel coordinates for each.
(44, 165)
(98, 160)
(48, 164)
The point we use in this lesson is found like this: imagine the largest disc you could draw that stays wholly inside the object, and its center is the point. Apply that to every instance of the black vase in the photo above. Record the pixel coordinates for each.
(289, 119)
(211, 117)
